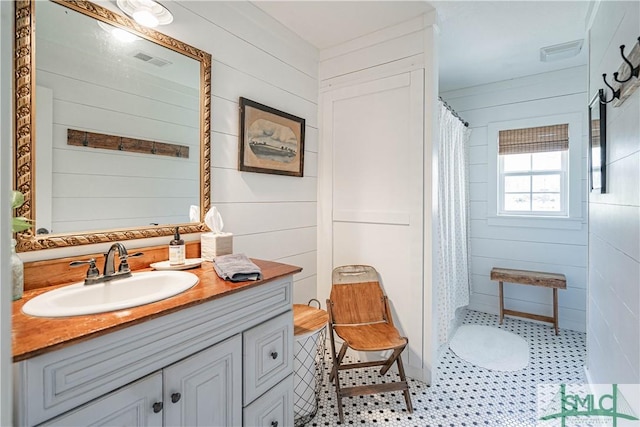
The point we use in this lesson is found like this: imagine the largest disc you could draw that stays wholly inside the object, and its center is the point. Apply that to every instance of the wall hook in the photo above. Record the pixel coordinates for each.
(635, 71)
(616, 93)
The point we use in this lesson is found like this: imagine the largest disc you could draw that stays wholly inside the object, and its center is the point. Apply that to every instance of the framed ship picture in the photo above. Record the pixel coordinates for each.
(271, 141)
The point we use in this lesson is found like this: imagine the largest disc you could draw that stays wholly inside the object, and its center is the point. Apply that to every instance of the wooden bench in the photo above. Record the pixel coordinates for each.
(534, 278)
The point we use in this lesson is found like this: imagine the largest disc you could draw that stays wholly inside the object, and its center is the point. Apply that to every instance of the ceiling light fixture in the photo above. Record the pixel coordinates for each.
(560, 51)
(144, 16)
(148, 13)
(118, 33)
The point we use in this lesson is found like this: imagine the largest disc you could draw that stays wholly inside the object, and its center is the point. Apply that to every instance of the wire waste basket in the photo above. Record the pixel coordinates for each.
(308, 364)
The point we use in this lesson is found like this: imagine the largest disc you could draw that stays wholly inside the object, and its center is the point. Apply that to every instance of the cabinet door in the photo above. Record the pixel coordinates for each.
(131, 405)
(205, 389)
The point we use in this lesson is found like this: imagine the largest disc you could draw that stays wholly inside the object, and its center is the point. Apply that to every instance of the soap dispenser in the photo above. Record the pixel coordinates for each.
(176, 249)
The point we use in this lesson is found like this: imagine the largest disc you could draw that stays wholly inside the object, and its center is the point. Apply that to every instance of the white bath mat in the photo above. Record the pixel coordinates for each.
(490, 348)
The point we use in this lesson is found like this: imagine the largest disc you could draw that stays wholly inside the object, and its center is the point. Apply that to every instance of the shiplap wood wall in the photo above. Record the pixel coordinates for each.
(613, 319)
(554, 250)
(272, 217)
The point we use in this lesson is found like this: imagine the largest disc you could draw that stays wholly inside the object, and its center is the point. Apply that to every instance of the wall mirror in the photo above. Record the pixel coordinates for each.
(598, 144)
(112, 127)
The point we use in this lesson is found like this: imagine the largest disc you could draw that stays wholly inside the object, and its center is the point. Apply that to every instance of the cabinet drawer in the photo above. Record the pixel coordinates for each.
(268, 355)
(272, 409)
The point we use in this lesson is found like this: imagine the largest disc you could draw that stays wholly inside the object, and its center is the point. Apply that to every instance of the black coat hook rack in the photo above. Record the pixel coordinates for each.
(634, 72)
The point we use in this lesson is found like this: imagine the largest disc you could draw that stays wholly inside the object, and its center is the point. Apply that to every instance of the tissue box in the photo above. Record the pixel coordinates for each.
(213, 245)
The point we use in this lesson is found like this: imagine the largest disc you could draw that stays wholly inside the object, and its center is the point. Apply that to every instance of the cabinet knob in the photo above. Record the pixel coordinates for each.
(274, 424)
(157, 407)
(175, 397)
(274, 356)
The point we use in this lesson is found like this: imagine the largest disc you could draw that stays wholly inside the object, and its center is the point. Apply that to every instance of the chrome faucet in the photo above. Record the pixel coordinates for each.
(109, 272)
(110, 262)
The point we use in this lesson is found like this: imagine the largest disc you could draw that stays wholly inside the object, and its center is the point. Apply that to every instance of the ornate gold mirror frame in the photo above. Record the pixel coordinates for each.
(25, 145)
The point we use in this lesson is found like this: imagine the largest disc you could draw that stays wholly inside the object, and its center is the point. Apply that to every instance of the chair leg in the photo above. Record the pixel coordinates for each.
(338, 360)
(339, 402)
(390, 361)
(407, 396)
(334, 374)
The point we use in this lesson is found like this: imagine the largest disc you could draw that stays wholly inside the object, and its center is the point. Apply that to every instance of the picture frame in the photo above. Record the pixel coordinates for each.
(598, 144)
(271, 141)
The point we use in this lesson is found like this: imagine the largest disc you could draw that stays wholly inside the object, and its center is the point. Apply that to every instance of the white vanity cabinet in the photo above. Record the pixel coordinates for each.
(213, 364)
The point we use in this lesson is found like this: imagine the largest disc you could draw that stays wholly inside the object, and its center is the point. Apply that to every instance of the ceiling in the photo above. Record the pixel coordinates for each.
(326, 24)
(480, 41)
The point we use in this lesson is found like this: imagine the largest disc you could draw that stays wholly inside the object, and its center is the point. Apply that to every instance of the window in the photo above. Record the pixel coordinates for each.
(533, 171)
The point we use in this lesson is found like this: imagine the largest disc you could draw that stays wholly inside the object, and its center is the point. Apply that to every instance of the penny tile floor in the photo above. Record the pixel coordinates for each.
(464, 394)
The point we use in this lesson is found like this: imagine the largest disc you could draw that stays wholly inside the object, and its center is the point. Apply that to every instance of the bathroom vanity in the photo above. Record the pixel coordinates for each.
(218, 354)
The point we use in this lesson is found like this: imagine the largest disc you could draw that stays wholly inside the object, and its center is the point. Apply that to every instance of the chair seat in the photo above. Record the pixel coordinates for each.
(371, 337)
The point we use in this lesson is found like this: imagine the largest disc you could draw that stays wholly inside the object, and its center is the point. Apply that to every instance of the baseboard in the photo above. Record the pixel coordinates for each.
(573, 326)
(483, 308)
(423, 375)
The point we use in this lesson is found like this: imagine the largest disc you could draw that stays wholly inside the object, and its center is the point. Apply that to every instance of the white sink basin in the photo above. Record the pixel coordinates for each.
(139, 289)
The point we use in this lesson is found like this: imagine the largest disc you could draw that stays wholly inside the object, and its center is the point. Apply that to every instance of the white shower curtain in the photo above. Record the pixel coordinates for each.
(453, 225)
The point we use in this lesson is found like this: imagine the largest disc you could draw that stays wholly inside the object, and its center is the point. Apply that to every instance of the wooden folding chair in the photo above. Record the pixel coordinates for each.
(359, 314)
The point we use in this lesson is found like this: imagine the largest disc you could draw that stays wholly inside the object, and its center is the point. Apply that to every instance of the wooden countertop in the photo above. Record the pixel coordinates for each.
(32, 336)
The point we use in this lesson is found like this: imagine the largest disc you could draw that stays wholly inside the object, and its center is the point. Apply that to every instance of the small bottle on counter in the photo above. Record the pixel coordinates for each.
(177, 249)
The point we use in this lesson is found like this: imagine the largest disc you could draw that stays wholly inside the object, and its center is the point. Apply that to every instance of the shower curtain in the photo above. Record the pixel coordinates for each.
(453, 225)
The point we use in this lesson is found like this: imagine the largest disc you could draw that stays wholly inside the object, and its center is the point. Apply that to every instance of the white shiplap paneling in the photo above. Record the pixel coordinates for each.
(272, 217)
(613, 321)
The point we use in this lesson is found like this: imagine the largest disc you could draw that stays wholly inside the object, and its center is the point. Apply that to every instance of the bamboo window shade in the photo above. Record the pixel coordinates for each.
(534, 140)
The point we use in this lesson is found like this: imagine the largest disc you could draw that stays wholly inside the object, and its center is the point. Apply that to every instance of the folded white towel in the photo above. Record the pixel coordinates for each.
(236, 268)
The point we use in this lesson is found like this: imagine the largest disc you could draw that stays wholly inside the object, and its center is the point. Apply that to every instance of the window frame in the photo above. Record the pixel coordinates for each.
(572, 216)
(564, 188)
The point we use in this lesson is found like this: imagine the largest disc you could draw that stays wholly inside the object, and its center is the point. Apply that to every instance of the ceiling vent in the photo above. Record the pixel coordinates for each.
(158, 62)
(560, 51)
